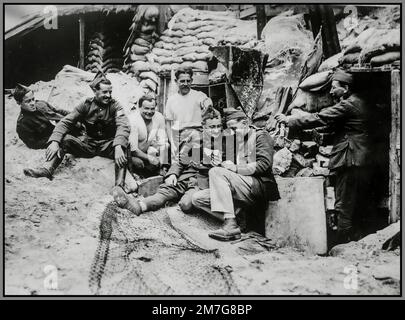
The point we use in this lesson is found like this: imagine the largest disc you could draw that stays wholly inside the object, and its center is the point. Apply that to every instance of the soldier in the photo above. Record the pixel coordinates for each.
(148, 140)
(350, 157)
(244, 183)
(107, 132)
(188, 172)
(37, 118)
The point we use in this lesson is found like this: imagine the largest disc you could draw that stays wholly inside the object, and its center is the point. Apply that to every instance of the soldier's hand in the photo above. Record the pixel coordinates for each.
(171, 180)
(229, 165)
(154, 161)
(52, 150)
(280, 118)
(120, 158)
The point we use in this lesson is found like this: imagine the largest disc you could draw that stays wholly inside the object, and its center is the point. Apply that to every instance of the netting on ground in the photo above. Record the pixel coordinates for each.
(146, 255)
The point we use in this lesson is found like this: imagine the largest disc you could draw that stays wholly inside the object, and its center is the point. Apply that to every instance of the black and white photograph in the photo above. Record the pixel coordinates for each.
(202, 149)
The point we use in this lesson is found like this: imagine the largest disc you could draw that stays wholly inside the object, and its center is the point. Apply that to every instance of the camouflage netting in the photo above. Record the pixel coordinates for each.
(147, 255)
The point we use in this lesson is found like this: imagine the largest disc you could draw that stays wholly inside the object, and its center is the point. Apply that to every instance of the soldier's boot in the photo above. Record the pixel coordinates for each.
(46, 170)
(230, 231)
(126, 201)
(120, 174)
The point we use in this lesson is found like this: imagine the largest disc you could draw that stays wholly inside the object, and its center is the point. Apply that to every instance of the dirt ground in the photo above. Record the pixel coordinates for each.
(54, 225)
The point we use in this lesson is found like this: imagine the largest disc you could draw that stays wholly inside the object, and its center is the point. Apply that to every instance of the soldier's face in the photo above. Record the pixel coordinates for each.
(28, 102)
(184, 82)
(338, 90)
(238, 126)
(213, 127)
(103, 94)
(148, 109)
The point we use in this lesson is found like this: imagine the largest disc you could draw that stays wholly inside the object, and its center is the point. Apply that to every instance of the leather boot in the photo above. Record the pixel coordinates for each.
(230, 231)
(120, 174)
(126, 201)
(46, 170)
(345, 236)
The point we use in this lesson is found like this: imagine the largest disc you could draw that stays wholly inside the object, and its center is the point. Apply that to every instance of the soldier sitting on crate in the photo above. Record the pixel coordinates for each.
(245, 183)
(351, 157)
(188, 172)
(148, 140)
(107, 132)
(37, 118)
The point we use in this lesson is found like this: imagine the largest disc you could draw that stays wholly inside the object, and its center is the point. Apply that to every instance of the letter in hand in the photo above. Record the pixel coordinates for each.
(171, 180)
(120, 158)
(52, 150)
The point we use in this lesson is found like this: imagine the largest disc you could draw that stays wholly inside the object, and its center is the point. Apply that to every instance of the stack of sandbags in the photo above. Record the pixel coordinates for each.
(140, 43)
(382, 48)
(189, 35)
(103, 54)
(374, 46)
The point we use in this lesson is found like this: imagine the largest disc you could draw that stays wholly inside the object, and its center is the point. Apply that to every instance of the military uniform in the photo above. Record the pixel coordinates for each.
(252, 185)
(197, 155)
(351, 154)
(106, 127)
(35, 128)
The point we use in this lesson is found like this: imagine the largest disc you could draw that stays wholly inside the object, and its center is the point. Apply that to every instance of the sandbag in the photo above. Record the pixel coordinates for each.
(169, 39)
(186, 64)
(190, 57)
(208, 28)
(143, 43)
(385, 58)
(140, 66)
(209, 41)
(350, 58)
(188, 44)
(135, 57)
(187, 39)
(195, 25)
(174, 66)
(164, 45)
(200, 66)
(203, 56)
(162, 52)
(330, 63)
(315, 80)
(205, 35)
(148, 29)
(148, 83)
(184, 50)
(139, 50)
(165, 68)
(179, 26)
(170, 60)
(95, 59)
(146, 37)
(149, 75)
(202, 49)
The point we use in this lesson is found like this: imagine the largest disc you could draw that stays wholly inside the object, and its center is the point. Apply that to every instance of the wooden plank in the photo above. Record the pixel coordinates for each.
(81, 39)
(394, 153)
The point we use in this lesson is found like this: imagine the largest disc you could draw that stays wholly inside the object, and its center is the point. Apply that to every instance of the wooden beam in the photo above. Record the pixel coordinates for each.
(81, 40)
(395, 148)
(322, 15)
(261, 19)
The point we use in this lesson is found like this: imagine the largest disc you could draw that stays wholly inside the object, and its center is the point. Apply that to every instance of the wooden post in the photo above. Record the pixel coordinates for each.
(163, 8)
(395, 148)
(81, 39)
(322, 15)
(261, 19)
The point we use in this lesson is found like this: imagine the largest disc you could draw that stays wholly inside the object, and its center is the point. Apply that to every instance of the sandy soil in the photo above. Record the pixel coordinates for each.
(55, 223)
